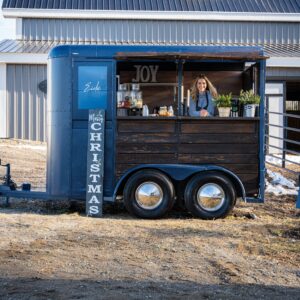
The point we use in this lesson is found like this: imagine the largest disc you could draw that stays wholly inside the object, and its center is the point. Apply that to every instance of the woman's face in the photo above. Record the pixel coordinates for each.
(201, 85)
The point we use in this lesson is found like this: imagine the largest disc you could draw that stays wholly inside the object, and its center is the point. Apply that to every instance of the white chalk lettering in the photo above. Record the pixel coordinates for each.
(94, 189)
(89, 87)
(94, 176)
(96, 136)
(95, 147)
(153, 70)
(95, 167)
(94, 199)
(137, 78)
(93, 126)
(95, 157)
(145, 73)
(94, 210)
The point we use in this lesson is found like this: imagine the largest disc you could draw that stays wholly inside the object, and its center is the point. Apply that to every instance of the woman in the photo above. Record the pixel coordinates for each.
(201, 102)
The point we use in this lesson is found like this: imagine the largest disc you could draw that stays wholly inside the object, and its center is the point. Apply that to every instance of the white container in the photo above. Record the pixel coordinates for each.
(249, 110)
(224, 111)
(145, 111)
(135, 87)
(122, 87)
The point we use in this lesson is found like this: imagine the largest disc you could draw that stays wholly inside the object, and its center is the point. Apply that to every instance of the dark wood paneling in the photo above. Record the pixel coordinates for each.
(153, 138)
(218, 148)
(148, 126)
(149, 158)
(230, 143)
(238, 168)
(145, 148)
(186, 158)
(218, 127)
(236, 138)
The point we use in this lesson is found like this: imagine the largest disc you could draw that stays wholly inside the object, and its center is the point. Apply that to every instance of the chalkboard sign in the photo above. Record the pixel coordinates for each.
(95, 163)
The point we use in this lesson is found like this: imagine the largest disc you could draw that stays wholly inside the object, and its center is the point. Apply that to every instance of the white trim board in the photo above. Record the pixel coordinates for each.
(288, 62)
(149, 15)
(3, 103)
(23, 58)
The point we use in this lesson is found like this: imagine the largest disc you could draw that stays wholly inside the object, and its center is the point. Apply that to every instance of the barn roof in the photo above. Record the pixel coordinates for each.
(44, 47)
(243, 6)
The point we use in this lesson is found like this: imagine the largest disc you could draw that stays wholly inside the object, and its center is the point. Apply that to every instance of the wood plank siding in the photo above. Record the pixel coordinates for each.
(232, 143)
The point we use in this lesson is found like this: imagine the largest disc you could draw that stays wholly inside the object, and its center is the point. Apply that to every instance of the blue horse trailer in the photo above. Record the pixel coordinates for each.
(155, 153)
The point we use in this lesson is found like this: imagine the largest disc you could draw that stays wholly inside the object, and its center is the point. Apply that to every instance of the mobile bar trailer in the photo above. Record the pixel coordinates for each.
(154, 157)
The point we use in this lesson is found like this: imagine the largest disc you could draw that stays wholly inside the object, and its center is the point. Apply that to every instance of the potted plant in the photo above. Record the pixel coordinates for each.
(223, 102)
(250, 102)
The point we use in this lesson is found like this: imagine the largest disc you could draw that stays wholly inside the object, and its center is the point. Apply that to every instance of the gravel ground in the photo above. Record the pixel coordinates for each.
(50, 250)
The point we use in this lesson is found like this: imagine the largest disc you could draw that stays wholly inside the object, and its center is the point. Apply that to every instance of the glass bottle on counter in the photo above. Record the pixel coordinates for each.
(170, 111)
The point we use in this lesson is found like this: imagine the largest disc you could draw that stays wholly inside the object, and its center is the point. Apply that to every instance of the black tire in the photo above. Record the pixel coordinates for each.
(201, 209)
(162, 184)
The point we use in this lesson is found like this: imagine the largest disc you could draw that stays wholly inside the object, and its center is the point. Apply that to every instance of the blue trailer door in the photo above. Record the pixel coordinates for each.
(93, 88)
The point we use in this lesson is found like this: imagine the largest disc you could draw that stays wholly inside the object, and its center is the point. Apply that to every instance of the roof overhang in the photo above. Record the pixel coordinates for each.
(149, 15)
(190, 56)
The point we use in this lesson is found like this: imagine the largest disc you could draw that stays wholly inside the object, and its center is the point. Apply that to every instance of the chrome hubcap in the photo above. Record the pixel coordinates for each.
(149, 195)
(211, 197)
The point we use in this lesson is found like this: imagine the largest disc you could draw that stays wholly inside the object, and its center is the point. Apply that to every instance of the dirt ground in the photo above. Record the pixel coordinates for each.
(52, 251)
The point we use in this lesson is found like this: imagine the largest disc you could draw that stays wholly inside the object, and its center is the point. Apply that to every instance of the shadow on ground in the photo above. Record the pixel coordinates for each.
(37, 288)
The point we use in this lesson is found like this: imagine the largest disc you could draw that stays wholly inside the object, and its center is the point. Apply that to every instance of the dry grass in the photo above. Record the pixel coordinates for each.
(52, 251)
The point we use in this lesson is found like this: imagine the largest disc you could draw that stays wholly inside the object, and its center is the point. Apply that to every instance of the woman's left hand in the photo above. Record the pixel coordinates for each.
(203, 113)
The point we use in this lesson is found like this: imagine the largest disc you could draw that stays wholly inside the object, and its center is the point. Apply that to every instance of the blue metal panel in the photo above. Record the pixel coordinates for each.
(269, 6)
(262, 169)
(59, 127)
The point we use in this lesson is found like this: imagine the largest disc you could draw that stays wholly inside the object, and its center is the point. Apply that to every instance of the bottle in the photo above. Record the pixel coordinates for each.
(145, 111)
(170, 111)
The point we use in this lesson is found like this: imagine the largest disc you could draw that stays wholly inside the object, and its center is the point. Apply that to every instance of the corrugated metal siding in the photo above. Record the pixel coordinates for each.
(26, 103)
(160, 32)
(274, 6)
(283, 73)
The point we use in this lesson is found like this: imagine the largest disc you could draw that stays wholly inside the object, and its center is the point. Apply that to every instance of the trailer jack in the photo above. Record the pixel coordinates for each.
(8, 184)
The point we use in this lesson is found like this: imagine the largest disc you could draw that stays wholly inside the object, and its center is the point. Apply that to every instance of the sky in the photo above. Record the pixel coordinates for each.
(7, 27)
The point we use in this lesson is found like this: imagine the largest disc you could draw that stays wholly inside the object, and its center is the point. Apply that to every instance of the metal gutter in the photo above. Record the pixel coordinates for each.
(150, 15)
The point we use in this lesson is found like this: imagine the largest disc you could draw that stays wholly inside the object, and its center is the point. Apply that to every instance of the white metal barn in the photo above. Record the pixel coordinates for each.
(272, 24)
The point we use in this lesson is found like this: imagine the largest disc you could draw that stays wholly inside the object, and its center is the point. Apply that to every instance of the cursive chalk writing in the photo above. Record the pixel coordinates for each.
(89, 87)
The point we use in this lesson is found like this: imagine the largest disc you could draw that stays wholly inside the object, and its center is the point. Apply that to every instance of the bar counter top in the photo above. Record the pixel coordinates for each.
(189, 118)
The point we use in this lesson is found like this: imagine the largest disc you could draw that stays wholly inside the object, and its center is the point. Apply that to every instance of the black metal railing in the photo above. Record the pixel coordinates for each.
(284, 148)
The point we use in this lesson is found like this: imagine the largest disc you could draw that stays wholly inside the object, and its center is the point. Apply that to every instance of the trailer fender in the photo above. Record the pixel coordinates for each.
(181, 173)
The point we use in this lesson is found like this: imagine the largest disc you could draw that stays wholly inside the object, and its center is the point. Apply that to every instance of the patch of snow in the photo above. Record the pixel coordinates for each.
(279, 185)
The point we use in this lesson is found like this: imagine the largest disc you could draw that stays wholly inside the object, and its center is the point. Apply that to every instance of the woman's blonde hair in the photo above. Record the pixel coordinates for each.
(209, 86)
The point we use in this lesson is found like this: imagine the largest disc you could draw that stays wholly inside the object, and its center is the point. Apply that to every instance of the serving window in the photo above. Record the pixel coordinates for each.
(163, 88)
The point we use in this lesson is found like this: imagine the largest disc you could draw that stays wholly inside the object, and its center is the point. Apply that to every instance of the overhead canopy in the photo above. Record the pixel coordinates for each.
(190, 56)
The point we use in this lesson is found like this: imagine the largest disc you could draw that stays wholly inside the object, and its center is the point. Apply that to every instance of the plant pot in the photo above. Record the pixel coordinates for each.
(249, 110)
(224, 111)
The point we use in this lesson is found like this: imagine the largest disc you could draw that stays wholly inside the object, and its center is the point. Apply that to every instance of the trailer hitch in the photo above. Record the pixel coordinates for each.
(7, 178)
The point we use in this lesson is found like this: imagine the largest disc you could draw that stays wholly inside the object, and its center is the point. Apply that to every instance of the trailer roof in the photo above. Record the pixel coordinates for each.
(192, 55)
(161, 52)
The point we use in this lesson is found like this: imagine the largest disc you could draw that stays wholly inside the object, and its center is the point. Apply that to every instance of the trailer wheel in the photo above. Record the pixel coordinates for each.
(149, 194)
(209, 196)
